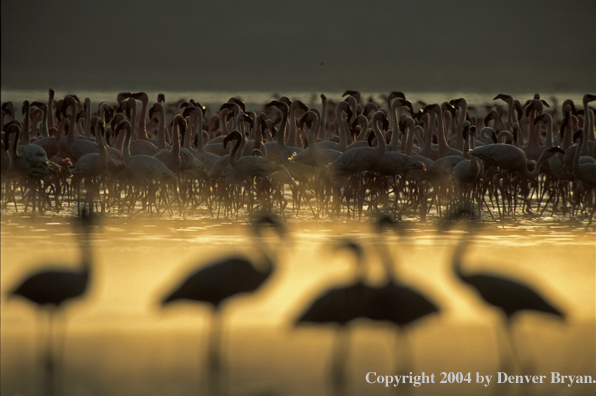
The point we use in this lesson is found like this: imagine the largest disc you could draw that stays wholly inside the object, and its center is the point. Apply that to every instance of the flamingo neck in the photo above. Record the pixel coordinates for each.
(26, 125)
(428, 133)
(460, 125)
(234, 153)
(34, 123)
(50, 111)
(133, 121)
(325, 135)
(88, 118)
(441, 139)
(199, 131)
(161, 128)
(410, 139)
(44, 124)
(578, 152)
(281, 134)
(509, 115)
(142, 134)
(549, 131)
(343, 132)
(292, 133)
(381, 146)
(190, 128)
(536, 171)
(176, 140)
(126, 150)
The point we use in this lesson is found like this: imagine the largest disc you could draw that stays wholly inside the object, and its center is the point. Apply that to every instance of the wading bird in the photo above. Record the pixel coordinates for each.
(510, 296)
(51, 290)
(340, 306)
(217, 282)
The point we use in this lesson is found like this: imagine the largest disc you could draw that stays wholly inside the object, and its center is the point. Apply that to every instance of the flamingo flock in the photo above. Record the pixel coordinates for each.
(341, 158)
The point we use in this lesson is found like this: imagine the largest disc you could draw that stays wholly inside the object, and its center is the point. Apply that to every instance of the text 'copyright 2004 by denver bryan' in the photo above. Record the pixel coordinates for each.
(476, 378)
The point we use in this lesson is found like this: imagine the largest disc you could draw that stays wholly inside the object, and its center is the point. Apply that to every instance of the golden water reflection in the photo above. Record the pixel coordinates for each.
(121, 342)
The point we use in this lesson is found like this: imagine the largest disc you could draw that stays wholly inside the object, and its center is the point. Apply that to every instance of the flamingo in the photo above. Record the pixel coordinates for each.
(171, 157)
(394, 105)
(149, 168)
(312, 155)
(298, 170)
(4, 155)
(8, 113)
(159, 111)
(256, 142)
(93, 165)
(555, 162)
(510, 296)
(343, 128)
(253, 166)
(463, 105)
(362, 158)
(32, 162)
(31, 153)
(444, 150)
(285, 152)
(467, 171)
(586, 172)
(394, 301)
(51, 289)
(48, 143)
(438, 173)
(206, 158)
(512, 158)
(141, 145)
(71, 146)
(215, 283)
(144, 98)
(340, 306)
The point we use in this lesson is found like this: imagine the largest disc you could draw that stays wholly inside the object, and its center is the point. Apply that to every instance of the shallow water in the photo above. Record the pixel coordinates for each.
(120, 342)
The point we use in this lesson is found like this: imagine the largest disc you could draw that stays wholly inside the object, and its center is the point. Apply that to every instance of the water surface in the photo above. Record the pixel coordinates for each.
(119, 341)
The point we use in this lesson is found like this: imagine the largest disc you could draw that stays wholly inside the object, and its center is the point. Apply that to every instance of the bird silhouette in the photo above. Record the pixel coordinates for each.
(51, 289)
(510, 296)
(395, 302)
(216, 282)
(340, 306)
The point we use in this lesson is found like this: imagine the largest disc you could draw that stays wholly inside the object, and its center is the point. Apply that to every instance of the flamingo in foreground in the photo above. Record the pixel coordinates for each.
(217, 282)
(52, 289)
(510, 296)
(394, 301)
(340, 306)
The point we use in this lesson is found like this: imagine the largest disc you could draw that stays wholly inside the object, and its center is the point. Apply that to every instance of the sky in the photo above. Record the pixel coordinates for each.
(497, 46)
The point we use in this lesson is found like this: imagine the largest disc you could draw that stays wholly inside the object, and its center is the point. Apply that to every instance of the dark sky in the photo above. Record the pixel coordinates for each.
(514, 46)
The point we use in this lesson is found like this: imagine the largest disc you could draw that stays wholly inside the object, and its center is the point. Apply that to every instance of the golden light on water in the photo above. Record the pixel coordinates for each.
(120, 341)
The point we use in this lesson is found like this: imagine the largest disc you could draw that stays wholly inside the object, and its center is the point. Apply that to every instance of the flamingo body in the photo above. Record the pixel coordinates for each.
(220, 281)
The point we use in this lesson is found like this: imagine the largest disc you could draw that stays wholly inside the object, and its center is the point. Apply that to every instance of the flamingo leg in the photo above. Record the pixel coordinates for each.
(213, 355)
(403, 348)
(338, 362)
(48, 361)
